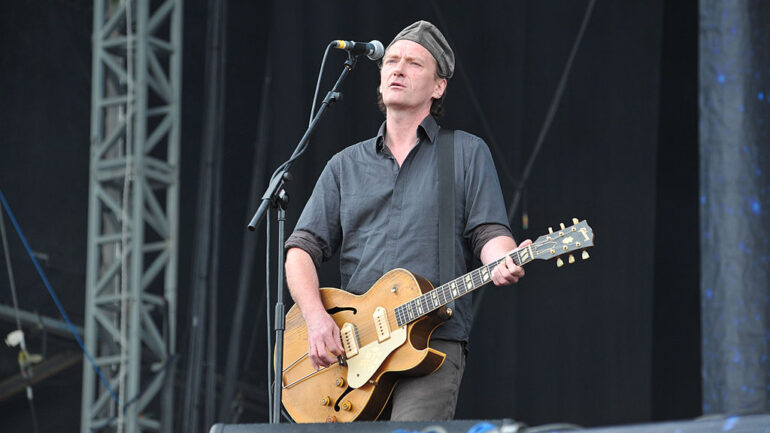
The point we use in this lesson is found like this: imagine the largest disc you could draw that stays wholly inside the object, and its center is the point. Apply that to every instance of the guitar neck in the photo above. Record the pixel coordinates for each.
(448, 292)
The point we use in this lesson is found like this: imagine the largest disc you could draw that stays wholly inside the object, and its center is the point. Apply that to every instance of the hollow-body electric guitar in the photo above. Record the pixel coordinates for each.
(385, 334)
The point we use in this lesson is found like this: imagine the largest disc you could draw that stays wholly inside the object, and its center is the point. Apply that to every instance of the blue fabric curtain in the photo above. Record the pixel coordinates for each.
(734, 177)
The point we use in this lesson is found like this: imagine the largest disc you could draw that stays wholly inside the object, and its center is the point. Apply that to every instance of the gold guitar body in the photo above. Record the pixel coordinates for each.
(359, 387)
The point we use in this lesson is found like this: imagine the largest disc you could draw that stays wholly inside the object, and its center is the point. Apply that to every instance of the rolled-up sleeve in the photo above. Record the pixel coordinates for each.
(484, 233)
(308, 243)
(318, 228)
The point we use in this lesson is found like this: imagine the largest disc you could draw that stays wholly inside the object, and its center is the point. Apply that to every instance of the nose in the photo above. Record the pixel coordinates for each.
(398, 68)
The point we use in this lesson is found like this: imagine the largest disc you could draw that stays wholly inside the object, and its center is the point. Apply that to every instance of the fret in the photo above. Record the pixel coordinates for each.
(524, 255)
(468, 283)
(453, 289)
(484, 274)
(477, 280)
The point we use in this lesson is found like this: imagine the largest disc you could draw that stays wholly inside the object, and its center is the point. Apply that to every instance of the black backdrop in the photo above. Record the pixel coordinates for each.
(611, 340)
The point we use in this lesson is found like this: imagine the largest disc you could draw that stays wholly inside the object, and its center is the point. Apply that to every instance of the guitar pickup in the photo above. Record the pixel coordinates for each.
(350, 342)
(380, 318)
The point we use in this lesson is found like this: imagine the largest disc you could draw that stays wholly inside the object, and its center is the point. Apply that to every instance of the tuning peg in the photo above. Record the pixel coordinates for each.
(571, 259)
(550, 230)
(559, 262)
(561, 225)
(585, 255)
(575, 221)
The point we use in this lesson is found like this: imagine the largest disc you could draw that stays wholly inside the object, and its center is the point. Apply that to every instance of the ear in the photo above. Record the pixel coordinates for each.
(438, 88)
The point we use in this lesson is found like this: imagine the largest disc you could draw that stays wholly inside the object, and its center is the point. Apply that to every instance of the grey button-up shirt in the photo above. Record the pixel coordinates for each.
(382, 216)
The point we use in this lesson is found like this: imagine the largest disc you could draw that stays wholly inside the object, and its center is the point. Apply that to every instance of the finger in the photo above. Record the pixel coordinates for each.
(498, 276)
(525, 243)
(326, 358)
(339, 350)
(495, 279)
(313, 358)
(333, 346)
(509, 264)
(322, 357)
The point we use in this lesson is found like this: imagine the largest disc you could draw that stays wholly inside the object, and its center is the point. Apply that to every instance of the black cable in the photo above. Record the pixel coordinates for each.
(12, 282)
(551, 111)
(494, 146)
(33, 412)
(268, 304)
(11, 279)
(318, 82)
(479, 295)
(300, 151)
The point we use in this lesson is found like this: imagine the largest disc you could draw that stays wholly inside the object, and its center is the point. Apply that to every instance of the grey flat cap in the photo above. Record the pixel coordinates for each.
(427, 35)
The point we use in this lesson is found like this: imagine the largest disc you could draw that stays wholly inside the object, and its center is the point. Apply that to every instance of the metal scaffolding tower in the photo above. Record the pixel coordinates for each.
(131, 275)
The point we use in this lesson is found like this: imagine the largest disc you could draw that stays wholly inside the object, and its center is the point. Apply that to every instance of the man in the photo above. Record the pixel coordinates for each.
(377, 202)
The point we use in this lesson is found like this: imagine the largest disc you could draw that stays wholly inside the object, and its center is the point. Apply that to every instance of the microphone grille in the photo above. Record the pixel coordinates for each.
(379, 50)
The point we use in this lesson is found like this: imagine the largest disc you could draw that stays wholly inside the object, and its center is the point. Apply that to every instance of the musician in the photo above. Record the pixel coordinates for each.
(377, 202)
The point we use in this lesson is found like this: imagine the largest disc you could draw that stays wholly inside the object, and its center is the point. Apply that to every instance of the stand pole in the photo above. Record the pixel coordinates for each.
(280, 321)
(276, 196)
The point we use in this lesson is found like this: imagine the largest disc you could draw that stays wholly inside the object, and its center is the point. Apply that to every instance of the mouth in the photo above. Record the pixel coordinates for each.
(395, 85)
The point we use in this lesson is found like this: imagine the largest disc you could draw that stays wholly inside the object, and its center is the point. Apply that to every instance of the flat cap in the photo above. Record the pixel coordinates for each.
(427, 35)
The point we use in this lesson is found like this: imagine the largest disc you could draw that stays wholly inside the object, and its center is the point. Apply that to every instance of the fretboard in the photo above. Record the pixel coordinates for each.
(456, 288)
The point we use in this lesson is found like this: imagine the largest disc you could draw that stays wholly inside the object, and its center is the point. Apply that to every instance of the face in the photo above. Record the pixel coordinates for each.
(408, 79)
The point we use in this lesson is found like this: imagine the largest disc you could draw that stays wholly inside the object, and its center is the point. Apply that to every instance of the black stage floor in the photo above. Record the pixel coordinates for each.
(714, 424)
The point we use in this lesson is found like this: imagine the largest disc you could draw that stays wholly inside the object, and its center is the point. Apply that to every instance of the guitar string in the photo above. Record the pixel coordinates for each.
(365, 330)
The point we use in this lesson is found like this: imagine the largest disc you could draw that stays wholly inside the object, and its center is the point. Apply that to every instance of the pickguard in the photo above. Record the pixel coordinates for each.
(370, 357)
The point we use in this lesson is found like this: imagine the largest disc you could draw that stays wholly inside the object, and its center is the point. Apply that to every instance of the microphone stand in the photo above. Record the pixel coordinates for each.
(276, 197)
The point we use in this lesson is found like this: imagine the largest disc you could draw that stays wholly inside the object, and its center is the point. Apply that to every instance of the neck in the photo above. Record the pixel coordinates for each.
(456, 288)
(402, 128)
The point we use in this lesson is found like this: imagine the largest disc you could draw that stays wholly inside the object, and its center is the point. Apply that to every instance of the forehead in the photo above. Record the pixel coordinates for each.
(405, 48)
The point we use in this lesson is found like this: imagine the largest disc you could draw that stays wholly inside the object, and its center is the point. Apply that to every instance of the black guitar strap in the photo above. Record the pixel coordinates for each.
(446, 206)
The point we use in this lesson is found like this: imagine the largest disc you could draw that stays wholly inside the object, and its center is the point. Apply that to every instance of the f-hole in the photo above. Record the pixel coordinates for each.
(339, 399)
(336, 310)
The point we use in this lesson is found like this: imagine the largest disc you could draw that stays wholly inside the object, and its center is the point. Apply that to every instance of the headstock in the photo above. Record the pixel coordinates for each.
(578, 236)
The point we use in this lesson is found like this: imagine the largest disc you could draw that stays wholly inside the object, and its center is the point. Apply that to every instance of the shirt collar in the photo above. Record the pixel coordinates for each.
(428, 128)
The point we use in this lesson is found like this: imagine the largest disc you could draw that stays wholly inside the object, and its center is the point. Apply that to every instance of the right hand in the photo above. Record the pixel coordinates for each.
(323, 336)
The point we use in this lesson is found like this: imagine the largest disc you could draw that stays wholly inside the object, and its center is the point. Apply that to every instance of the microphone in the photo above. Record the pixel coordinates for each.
(373, 49)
